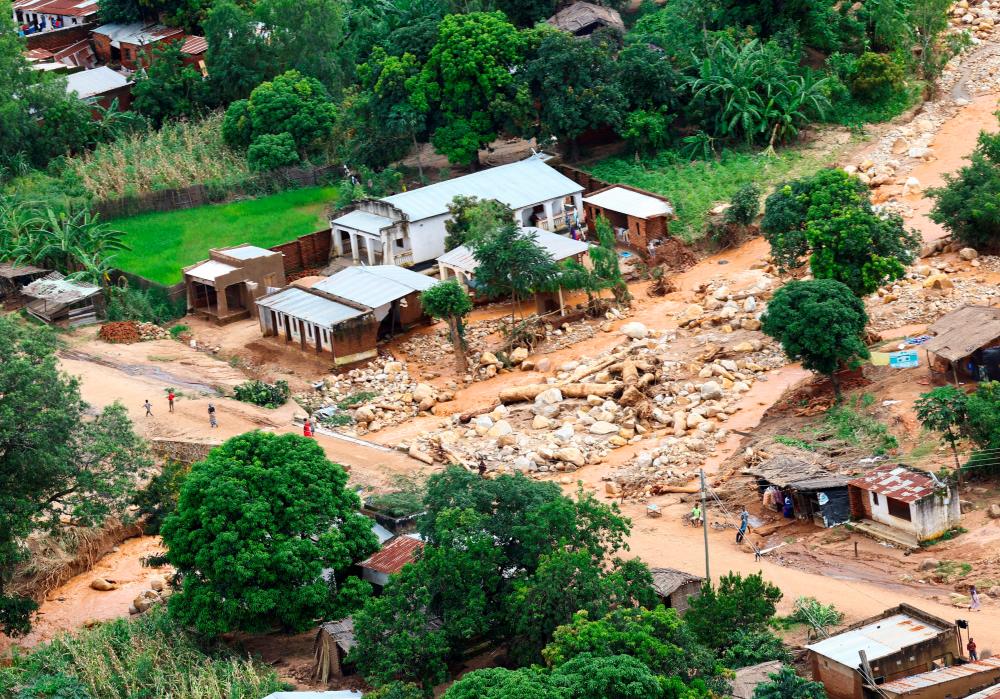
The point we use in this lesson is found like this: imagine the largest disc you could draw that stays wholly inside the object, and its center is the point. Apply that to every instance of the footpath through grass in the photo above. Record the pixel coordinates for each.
(164, 243)
(693, 187)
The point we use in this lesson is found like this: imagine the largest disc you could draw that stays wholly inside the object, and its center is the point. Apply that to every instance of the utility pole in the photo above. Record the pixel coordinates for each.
(704, 523)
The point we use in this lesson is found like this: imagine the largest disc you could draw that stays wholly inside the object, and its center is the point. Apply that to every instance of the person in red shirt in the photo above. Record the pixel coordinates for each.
(170, 400)
(307, 430)
(973, 655)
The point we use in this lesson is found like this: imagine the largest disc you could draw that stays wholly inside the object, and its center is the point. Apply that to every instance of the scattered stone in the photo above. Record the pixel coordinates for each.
(103, 585)
(601, 428)
(968, 254)
(635, 330)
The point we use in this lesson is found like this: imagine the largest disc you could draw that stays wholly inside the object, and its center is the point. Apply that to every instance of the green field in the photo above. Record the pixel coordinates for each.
(164, 243)
(693, 187)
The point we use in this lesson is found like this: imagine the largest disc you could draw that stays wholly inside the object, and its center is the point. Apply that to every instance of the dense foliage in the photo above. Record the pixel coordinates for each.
(54, 461)
(829, 217)
(969, 203)
(745, 603)
(510, 263)
(145, 656)
(256, 524)
(785, 684)
(268, 395)
(819, 322)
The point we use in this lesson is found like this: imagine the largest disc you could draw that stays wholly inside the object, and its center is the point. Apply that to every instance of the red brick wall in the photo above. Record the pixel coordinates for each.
(311, 250)
(59, 38)
(860, 506)
(102, 47)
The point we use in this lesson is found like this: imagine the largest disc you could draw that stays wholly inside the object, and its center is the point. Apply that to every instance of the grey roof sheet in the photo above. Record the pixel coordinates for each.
(961, 332)
(138, 33)
(787, 471)
(342, 632)
(364, 221)
(517, 185)
(374, 286)
(248, 252)
(96, 81)
(942, 676)
(55, 288)
(312, 308)
(8, 270)
(630, 202)
(878, 639)
(560, 247)
(210, 270)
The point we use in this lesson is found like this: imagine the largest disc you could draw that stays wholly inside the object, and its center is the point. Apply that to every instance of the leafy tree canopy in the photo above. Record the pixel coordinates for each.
(500, 683)
(746, 603)
(53, 461)
(256, 524)
(510, 262)
(238, 56)
(449, 301)
(969, 203)
(471, 218)
(785, 684)
(819, 322)
(167, 88)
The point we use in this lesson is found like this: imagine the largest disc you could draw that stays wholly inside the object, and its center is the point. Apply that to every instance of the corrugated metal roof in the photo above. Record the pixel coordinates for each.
(945, 674)
(57, 289)
(311, 308)
(88, 83)
(988, 693)
(194, 45)
(210, 270)
(560, 247)
(374, 286)
(138, 33)
(363, 221)
(625, 201)
(898, 483)
(396, 554)
(524, 183)
(961, 332)
(878, 639)
(247, 252)
(64, 8)
(381, 532)
(338, 694)
(342, 632)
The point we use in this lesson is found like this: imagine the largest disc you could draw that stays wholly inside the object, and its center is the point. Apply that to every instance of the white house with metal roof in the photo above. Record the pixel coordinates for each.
(460, 263)
(346, 313)
(409, 228)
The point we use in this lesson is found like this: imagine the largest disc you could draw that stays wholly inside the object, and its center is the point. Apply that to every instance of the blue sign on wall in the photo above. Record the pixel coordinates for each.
(907, 359)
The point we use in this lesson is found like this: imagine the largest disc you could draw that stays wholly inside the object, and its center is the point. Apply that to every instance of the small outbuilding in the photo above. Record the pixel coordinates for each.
(899, 642)
(14, 277)
(675, 588)
(951, 682)
(817, 493)
(966, 345)
(390, 559)
(101, 86)
(584, 18)
(60, 301)
(640, 218)
(226, 287)
(391, 292)
(903, 505)
(132, 45)
(334, 640)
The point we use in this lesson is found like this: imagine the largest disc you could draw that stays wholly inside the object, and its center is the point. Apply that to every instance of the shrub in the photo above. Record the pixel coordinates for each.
(271, 151)
(142, 305)
(647, 131)
(159, 498)
(967, 204)
(177, 330)
(875, 77)
(745, 205)
(264, 394)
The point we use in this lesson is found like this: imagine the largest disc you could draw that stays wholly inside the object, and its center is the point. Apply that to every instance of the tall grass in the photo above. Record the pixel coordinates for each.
(178, 155)
(146, 656)
(694, 187)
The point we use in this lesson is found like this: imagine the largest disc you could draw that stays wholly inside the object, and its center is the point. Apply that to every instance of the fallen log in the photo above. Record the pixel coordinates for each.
(518, 394)
(585, 371)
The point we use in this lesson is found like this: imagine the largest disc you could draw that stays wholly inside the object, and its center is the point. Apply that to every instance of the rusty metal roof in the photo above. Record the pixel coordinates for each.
(898, 483)
(194, 45)
(394, 555)
(879, 639)
(945, 674)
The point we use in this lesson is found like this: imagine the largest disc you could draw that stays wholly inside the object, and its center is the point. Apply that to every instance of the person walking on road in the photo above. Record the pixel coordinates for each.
(211, 416)
(744, 525)
(149, 408)
(170, 400)
(307, 430)
(974, 599)
(971, 646)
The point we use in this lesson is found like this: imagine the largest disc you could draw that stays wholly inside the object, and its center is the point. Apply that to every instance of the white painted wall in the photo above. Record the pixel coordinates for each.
(880, 513)
(929, 517)
(427, 238)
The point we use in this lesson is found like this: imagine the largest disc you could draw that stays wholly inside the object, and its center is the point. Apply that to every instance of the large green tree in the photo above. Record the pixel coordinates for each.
(470, 217)
(737, 603)
(306, 36)
(168, 88)
(54, 461)
(238, 56)
(820, 322)
(469, 82)
(945, 410)
(500, 683)
(450, 302)
(510, 263)
(969, 203)
(256, 525)
(575, 87)
(785, 684)
(829, 217)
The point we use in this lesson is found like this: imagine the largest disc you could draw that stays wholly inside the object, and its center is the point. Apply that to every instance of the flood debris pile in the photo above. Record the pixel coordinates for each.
(129, 331)
(930, 289)
(976, 17)
(372, 397)
(433, 348)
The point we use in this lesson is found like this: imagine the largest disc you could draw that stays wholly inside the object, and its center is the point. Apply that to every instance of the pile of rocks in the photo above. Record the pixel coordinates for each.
(397, 396)
(979, 18)
(158, 592)
(928, 292)
(435, 347)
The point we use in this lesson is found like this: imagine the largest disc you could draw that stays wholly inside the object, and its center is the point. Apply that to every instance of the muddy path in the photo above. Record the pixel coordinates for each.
(152, 373)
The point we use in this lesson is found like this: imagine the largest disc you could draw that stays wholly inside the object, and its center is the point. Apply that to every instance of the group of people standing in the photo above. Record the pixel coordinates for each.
(212, 422)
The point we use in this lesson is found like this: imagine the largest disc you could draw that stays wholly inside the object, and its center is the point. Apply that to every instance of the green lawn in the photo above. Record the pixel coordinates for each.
(164, 243)
(694, 187)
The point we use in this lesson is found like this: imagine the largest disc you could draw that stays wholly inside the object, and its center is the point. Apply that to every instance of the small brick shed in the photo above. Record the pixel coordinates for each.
(638, 217)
